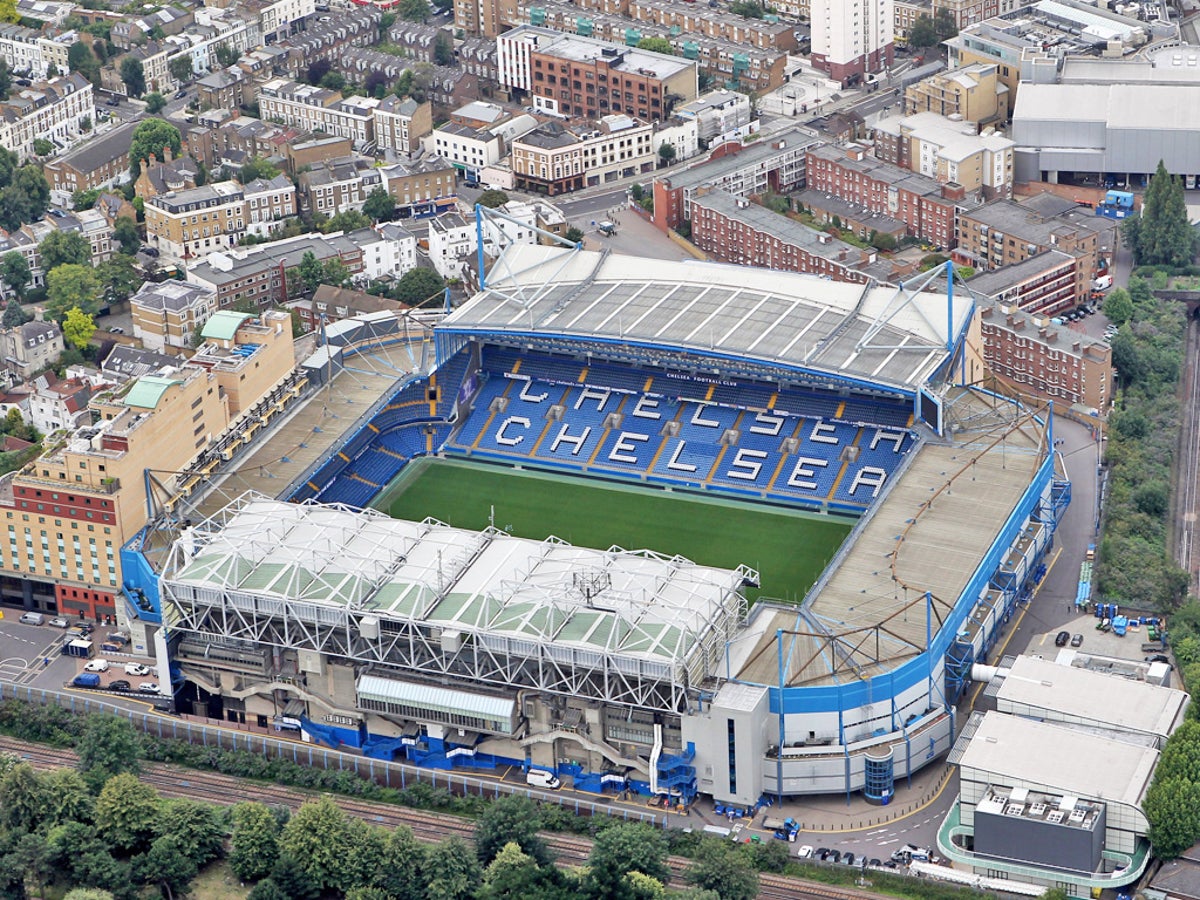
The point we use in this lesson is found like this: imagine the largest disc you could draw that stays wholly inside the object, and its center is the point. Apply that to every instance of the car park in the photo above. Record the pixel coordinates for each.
(1077, 640)
(119, 685)
(149, 687)
(137, 669)
(1062, 638)
(60, 622)
(96, 665)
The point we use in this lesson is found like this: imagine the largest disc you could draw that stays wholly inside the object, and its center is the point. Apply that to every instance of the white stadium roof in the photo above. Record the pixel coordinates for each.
(879, 334)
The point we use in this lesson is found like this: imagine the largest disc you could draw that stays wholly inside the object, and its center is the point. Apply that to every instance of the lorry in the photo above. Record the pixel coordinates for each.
(86, 680)
(783, 829)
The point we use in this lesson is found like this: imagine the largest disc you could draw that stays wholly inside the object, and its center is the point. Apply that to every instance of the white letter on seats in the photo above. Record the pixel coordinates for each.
(512, 420)
(767, 424)
(802, 470)
(646, 408)
(822, 434)
(743, 468)
(625, 446)
(895, 438)
(532, 398)
(591, 393)
(575, 441)
(697, 417)
(675, 465)
(871, 477)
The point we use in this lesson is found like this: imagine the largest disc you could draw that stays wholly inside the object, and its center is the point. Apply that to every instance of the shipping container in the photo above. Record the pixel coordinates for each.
(79, 648)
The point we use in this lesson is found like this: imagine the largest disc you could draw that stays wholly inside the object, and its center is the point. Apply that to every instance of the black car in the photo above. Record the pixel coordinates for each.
(1061, 639)
(874, 863)
(848, 859)
(112, 101)
(86, 627)
(822, 853)
(835, 855)
(119, 685)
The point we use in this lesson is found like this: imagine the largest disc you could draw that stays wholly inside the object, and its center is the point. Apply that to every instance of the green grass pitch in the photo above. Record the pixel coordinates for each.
(789, 549)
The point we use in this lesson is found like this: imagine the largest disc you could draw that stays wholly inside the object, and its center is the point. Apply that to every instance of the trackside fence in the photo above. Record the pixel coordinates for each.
(381, 772)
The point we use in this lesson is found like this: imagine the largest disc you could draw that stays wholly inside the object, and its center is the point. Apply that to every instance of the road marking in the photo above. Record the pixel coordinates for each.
(878, 831)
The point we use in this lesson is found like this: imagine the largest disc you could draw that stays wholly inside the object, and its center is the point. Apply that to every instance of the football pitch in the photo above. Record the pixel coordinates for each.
(789, 549)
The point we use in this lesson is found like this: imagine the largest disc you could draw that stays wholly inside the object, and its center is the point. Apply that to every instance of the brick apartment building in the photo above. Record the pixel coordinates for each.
(1006, 232)
(1049, 360)
(1043, 284)
(927, 209)
(101, 161)
(735, 230)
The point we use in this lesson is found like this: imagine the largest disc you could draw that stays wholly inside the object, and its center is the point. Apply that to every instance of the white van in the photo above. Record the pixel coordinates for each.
(542, 779)
(32, 618)
(1103, 283)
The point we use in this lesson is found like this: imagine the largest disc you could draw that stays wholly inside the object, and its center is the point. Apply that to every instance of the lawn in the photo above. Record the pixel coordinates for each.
(788, 548)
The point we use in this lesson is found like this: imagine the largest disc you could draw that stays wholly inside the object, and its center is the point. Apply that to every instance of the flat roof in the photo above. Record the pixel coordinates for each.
(1115, 702)
(796, 322)
(1124, 107)
(1016, 751)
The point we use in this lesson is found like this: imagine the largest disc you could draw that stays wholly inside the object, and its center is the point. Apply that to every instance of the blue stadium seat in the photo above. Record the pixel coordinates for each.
(865, 477)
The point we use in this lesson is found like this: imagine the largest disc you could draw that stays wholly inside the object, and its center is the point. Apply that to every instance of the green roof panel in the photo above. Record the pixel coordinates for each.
(148, 390)
(224, 325)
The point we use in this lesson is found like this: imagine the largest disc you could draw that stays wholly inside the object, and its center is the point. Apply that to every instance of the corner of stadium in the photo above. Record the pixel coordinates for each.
(628, 668)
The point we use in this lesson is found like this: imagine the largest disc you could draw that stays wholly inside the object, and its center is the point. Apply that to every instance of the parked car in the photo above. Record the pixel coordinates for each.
(874, 863)
(113, 101)
(96, 665)
(1077, 640)
(181, 93)
(823, 853)
(835, 855)
(116, 329)
(805, 852)
(137, 669)
(119, 685)
(848, 859)
(1062, 638)
(149, 687)
(86, 627)
(60, 622)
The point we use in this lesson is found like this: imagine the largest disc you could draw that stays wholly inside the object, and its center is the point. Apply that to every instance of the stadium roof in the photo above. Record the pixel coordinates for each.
(785, 320)
(502, 590)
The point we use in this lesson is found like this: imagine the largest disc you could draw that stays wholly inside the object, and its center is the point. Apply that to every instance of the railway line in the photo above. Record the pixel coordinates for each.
(226, 790)
(1187, 495)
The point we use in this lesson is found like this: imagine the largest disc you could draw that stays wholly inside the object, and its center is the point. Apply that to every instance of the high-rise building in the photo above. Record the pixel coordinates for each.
(852, 38)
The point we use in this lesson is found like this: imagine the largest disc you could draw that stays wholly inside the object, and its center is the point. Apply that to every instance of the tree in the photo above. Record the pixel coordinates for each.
(81, 59)
(379, 205)
(197, 826)
(226, 56)
(1173, 807)
(108, 745)
(254, 843)
(317, 838)
(511, 819)
(15, 273)
(317, 70)
(443, 49)
(922, 32)
(155, 102)
(256, 167)
(419, 286)
(152, 136)
(71, 286)
(724, 868)
(5, 77)
(62, 248)
(42, 147)
(310, 271)
(335, 273)
(82, 200)
(944, 25)
(656, 44)
(333, 81)
(31, 859)
(127, 813)
(404, 875)
(1162, 235)
(666, 152)
(181, 68)
(1118, 306)
(14, 315)
(413, 10)
(574, 235)
(293, 880)
(492, 198)
(67, 795)
(126, 233)
(882, 241)
(24, 193)
(512, 875)
(118, 278)
(22, 801)
(78, 328)
(133, 75)
(346, 220)
(622, 849)
(267, 889)
(167, 865)
(453, 870)
(8, 12)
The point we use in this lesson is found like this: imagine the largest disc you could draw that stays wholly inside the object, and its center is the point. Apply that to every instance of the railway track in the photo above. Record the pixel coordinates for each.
(1187, 496)
(226, 790)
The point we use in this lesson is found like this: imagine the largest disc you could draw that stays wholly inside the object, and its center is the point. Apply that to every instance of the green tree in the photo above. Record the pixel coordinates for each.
(666, 152)
(1161, 235)
(127, 813)
(78, 328)
(335, 273)
(747, 8)
(419, 286)
(126, 233)
(81, 59)
(1118, 306)
(152, 136)
(31, 859)
(42, 147)
(226, 56)
(922, 33)
(197, 827)
(882, 241)
(68, 797)
(622, 849)
(14, 315)
(256, 167)
(181, 69)
(574, 235)
(379, 205)
(443, 49)
(82, 200)
(944, 25)
(453, 870)
(333, 81)
(133, 76)
(22, 799)
(267, 889)
(511, 819)
(8, 12)
(347, 220)
(656, 44)
(512, 875)
(71, 286)
(118, 278)
(724, 868)
(311, 271)
(404, 875)
(24, 193)
(109, 745)
(64, 248)
(413, 10)
(318, 839)
(254, 844)
(1173, 807)
(292, 878)
(167, 865)
(15, 273)
(155, 102)
(492, 198)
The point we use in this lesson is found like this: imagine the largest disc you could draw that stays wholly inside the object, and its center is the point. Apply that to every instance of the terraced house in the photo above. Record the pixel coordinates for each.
(54, 110)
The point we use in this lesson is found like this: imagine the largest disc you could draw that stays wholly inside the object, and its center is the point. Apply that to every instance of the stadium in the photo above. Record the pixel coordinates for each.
(676, 528)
